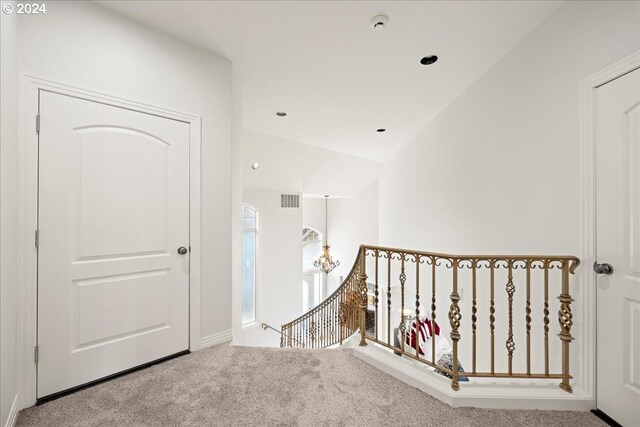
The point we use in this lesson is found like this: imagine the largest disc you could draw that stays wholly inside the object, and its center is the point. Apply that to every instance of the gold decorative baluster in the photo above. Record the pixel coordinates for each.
(418, 306)
(339, 317)
(321, 318)
(510, 288)
(328, 337)
(566, 321)
(474, 312)
(492, 317)
(325, 334)
(376, 295)
(338, 324)
(362, 278)
(403, 326)
(335, 329)
(312, 331)
(528, 317)
(389, 298)
(454, 320)
(325, 325)
(355, 324)
(433, 309)
(546, 317)
(320, 326)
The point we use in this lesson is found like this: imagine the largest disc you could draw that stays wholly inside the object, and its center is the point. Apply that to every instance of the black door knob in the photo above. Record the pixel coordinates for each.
(603, 268)
(182, 250)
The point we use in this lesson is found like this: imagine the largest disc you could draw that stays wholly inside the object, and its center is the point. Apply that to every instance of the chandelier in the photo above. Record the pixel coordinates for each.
(325, 261)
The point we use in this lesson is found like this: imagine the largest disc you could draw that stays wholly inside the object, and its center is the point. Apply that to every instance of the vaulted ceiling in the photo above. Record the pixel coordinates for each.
(338, 79)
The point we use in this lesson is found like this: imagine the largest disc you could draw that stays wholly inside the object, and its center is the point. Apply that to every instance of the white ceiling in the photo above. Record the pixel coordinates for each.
(289, 166)
(337, 78)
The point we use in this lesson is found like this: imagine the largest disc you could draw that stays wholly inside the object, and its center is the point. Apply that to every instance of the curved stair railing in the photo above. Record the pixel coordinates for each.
(265, 326)
(332, 321)
(494, 301)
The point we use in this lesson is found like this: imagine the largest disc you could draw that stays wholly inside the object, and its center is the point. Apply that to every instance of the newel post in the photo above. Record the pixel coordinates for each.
(565, 318)
(362, 285)
(454, 320)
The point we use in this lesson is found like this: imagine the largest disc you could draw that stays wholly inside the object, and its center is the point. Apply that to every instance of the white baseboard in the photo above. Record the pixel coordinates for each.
(495, 394)
(217, 338)
(13, 413)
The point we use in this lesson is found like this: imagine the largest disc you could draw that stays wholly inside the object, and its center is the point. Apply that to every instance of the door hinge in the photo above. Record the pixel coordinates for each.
(36, 354)
(37, 238)
(38, 123)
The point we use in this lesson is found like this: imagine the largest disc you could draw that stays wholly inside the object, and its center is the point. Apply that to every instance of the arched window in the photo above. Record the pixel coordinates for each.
(249, 259)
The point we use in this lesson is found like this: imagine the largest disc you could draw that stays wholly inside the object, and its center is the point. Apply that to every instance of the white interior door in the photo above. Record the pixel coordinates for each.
(617, 133)
(113, 291)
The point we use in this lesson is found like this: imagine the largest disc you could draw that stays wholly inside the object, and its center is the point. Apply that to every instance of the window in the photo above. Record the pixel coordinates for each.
(312, 277)
(311, 248)
(249, 251)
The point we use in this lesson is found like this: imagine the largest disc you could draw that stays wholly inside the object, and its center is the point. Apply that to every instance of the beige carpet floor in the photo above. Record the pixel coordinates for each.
(244, 386)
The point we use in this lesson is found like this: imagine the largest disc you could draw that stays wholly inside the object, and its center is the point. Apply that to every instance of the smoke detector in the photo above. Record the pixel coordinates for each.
(379, 22)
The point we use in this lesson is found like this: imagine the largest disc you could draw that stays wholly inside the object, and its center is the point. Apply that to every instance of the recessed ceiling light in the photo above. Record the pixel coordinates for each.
(381, 130)
(429, 59)
(281, 114)
(255, 166)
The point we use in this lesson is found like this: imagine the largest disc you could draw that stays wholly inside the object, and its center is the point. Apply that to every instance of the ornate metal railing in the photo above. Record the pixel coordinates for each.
(283, 337)
(491, 299)
(332, 321)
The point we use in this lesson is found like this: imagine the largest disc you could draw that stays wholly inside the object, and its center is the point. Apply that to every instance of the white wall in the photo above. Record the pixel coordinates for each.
(236, 209)
(352, 221)
(8, 213)
(499, 170)
(86, 45)
(279, 266)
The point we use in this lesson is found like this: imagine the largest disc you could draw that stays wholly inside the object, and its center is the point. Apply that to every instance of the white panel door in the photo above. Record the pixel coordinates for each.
(113, 291)
(617, 133)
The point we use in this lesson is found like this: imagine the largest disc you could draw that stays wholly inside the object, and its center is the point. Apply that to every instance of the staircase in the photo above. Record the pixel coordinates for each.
(496, 314)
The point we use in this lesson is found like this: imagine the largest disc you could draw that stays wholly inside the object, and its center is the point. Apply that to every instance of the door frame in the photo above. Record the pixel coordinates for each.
(586, 291)
(28, 215)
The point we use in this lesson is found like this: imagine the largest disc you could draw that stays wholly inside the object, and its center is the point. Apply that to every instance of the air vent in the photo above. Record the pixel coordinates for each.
(289, 200)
